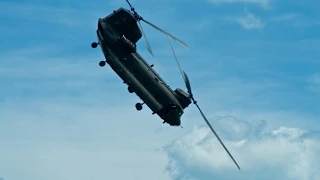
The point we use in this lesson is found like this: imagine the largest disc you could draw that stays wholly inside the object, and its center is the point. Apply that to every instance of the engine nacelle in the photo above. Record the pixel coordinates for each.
(183, 97)
(128, 44)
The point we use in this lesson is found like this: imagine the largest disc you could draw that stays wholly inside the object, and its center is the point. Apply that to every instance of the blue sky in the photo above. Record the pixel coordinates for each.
(254, 68)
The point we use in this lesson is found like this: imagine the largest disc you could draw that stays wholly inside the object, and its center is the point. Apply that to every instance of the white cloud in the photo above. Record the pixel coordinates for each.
(250, 21)
(262, 3)
(282, 153)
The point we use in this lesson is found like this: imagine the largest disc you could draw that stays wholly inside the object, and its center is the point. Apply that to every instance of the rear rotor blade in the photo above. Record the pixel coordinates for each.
(129, 4)
(187, 82)
(146, 40)
(214, 132)
(166, 33)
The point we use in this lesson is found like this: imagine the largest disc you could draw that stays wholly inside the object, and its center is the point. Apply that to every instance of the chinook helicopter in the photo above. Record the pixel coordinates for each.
(117, 36)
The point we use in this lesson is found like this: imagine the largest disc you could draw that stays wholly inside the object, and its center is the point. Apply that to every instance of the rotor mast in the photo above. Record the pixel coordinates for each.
(140, 18)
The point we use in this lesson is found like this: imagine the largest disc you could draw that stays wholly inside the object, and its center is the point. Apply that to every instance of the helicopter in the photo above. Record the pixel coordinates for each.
(117, 36)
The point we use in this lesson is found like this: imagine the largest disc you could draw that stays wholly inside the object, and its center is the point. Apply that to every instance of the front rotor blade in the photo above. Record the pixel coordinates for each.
(214, 132)
(145, 39)
(166, 33)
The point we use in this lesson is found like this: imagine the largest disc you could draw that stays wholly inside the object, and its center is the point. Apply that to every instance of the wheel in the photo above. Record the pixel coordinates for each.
(130, 89)
(102, 63)
(139, 106)
(94, 45)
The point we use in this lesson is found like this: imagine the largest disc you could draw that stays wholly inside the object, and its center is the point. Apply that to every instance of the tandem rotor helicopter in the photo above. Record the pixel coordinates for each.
(117, 36)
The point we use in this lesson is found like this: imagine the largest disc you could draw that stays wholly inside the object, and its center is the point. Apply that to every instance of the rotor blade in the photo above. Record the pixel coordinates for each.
(177, 61)
(214, 132)
(145, 39)
(166, 33)
(129, 3)
(187, 82)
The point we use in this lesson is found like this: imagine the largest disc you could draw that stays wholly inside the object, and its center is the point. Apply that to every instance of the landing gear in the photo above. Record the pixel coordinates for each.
(139, 106)
(94, 45)
(102, 63)
(130, 89)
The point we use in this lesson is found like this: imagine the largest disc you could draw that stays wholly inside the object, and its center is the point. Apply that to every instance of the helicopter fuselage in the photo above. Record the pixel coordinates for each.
(117, 36)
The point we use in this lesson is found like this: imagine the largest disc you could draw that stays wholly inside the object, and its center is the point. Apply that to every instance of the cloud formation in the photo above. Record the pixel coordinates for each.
(282, 153)
(250, 21)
